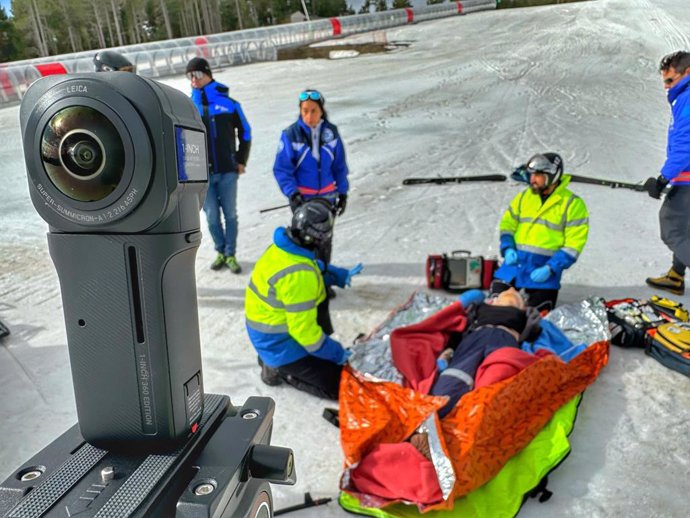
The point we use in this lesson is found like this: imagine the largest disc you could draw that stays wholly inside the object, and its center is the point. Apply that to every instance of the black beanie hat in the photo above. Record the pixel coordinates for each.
(200, 65)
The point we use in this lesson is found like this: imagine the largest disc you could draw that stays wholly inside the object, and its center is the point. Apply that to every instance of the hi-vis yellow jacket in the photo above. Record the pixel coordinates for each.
(553, 232)
(281, 302)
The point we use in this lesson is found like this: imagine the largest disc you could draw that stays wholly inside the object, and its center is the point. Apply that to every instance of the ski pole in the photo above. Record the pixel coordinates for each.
(273, 208)
(308, 502)
(440, 180)
(614, 184)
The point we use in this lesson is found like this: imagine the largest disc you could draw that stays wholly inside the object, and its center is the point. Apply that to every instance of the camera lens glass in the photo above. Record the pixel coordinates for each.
(83, 153)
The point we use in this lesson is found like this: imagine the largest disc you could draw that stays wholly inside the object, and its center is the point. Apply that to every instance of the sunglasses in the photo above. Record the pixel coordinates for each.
(126, 68)
(671, 80)
(196, 74)
(310, 94)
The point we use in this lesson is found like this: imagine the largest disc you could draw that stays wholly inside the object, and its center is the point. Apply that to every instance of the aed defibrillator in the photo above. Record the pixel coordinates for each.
(459, 271)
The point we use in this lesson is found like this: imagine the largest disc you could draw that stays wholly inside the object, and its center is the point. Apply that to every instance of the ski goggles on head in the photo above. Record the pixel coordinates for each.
(312, 95)
(195, 74)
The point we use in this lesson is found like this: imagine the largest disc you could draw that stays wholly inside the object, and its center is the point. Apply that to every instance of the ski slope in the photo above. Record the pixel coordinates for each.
(476, 94)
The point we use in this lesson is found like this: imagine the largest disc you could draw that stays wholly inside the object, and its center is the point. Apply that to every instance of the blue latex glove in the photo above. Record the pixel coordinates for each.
(541, 274)
(346, 356)
(471, 297)
(441, 364)
(334, 275)
(352, 272)
(510, 256)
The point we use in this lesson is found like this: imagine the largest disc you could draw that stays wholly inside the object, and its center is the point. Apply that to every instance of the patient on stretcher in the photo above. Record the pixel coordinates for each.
(503, 321)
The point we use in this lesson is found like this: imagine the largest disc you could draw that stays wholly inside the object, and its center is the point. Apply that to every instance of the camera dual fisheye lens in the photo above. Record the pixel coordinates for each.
(83, 153)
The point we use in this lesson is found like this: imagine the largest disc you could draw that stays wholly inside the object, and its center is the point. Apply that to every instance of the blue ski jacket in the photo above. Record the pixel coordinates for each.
(297, 169)
(225, 126)
(676, 169)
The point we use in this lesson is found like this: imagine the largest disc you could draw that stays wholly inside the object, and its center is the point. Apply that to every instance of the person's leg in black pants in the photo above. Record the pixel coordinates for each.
(541, 299)
(318, 377)
(323, 317)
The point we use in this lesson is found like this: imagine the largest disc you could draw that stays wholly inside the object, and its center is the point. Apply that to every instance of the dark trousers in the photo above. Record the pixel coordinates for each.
(323, 317)
(311, 374)
(541, 299)
(674, 222)
(320, 378)
(536, 298)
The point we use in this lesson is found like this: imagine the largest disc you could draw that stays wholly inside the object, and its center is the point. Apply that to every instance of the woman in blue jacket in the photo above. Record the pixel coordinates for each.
(310, 161)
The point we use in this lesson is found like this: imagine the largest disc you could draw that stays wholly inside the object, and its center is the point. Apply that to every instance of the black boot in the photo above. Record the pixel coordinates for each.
(270, 376)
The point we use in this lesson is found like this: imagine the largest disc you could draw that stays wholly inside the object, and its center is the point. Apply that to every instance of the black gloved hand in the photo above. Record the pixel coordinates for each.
(295, 201)
(654, 186)
(342, 203)
(532, 326)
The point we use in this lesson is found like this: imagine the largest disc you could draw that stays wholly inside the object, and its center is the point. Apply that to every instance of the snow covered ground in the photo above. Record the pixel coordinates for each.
(473, 94)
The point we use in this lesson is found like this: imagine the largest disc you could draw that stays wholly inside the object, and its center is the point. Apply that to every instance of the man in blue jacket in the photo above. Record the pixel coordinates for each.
(674, 216)
(228, 137)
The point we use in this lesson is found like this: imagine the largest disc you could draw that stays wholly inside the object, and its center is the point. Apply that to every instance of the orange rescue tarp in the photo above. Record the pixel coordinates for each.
(487, 427)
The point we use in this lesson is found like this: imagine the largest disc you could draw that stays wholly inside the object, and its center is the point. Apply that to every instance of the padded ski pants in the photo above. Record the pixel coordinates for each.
(674, 221)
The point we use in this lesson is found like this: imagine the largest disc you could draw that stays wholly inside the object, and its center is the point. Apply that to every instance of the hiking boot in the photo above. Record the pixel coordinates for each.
(232, 263)
(218, 263)
(270, 376)
(672, 281)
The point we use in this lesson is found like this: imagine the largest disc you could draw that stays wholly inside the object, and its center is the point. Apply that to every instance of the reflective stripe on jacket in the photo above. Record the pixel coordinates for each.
(553, 233)
(281, 302)
(297, 169)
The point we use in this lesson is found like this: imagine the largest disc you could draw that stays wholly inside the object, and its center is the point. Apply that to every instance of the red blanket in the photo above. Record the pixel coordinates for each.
(397, 471)
(415, 348)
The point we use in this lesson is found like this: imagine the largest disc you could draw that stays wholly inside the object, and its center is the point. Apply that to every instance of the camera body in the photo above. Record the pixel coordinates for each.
(117, 167)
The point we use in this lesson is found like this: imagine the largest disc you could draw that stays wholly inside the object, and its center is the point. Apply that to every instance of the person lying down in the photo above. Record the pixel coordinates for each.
(503, 321)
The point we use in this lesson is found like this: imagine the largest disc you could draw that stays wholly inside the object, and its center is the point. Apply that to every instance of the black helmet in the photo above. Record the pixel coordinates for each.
(312, 223)
(109, 61)
(550, 164)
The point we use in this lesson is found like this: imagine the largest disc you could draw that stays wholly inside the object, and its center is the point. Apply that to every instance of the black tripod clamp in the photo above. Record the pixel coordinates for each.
(221, 471)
